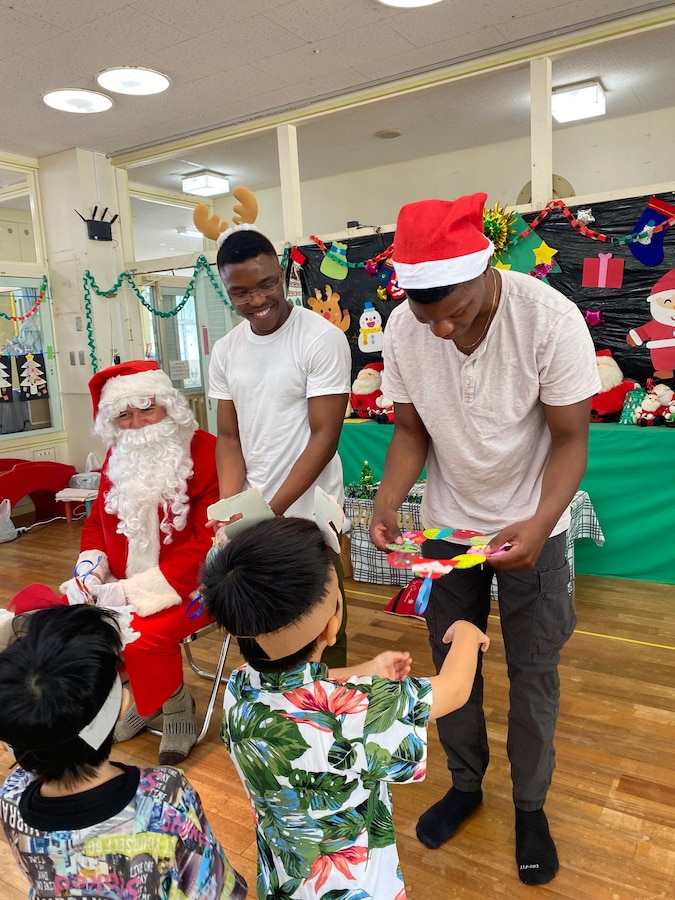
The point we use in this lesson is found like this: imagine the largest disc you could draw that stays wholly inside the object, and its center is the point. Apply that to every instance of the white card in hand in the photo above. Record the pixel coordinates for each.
(250, 505)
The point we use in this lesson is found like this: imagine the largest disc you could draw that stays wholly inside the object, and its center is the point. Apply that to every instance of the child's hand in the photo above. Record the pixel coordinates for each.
(467, 628)
(392, 664)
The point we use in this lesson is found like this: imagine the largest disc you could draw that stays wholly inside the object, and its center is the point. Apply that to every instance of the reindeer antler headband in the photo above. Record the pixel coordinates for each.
(246, 214)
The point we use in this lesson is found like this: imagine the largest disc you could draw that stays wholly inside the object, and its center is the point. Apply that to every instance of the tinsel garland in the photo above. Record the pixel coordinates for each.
(89, 285)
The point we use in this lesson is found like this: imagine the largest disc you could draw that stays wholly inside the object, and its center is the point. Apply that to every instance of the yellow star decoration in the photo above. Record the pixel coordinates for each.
(544, 254)
(501, 265)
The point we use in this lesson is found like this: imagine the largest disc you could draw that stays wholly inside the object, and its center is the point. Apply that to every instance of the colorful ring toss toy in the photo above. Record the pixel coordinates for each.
(407, 556)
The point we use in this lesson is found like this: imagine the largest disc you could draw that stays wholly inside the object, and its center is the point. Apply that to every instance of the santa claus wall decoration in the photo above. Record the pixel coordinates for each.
(659, 334)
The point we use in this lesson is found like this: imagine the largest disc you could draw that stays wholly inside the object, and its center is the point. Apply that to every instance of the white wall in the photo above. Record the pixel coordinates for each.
(595, 157)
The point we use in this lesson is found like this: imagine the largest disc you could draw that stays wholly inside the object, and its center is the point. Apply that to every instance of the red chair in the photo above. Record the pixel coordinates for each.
(38, 480)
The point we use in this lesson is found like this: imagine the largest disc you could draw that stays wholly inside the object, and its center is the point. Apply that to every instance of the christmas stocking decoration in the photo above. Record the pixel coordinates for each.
(334, 263)
(649, 249)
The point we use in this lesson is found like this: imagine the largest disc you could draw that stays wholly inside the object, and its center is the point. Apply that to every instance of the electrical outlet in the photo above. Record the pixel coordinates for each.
(44, 453)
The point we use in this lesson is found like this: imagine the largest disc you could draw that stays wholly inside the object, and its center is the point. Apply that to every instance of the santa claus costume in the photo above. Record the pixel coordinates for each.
(145, 538)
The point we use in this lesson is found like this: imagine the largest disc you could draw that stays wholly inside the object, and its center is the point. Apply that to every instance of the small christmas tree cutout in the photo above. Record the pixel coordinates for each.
(5, 383)
(32, 383)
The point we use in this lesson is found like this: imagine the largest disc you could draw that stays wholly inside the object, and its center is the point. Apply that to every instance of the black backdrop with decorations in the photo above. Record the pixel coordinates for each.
(354, 291)
(620, 308)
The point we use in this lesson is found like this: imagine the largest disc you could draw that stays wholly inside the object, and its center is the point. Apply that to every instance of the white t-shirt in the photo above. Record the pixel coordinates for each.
(269, 378)
(484, 412)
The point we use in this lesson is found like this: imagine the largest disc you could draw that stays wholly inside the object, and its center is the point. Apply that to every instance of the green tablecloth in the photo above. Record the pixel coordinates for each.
(637, 514)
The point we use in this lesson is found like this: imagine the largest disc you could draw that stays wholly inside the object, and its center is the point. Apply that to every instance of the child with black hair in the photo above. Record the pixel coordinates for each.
(317, 749)
(77, 824)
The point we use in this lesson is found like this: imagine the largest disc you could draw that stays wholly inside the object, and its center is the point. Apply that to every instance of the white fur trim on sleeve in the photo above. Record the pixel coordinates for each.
(636, 337)
(150, 592)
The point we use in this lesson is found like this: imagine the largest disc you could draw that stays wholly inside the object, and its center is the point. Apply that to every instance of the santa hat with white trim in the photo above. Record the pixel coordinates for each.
(132, 380)
(441, 242)
(665, 284)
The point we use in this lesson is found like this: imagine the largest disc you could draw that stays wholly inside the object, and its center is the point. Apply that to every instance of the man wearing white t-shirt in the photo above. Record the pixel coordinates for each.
(282, 381)
(491, 373)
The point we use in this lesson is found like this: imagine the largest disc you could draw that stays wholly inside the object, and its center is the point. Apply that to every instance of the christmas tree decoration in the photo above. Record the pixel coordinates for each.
(32, 385)
(522, 255)
(6, 395)
(631, 405)
(603, 272)
(366, 487)
(647, 243)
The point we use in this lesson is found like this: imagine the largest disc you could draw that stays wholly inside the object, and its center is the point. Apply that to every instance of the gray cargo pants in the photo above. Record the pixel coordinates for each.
(537, 617)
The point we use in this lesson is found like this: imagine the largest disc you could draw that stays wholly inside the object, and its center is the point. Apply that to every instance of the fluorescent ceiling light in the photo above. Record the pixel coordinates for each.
(77, 101)
(408, 4)
(578, 101)
(189, 230)
(205, 184)
(133, 80)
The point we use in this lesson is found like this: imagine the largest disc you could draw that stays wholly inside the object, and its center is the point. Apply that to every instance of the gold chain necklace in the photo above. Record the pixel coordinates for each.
(467, 347)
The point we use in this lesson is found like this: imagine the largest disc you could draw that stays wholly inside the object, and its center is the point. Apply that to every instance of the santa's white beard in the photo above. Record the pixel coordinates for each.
(149, 469)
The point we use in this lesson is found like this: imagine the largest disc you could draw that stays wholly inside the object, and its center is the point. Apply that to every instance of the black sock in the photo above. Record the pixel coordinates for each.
(442, 820)
(536, 855)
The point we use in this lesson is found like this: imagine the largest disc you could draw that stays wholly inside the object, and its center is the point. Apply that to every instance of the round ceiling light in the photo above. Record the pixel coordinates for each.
(408, 4)
(133, 80)
(75, 100)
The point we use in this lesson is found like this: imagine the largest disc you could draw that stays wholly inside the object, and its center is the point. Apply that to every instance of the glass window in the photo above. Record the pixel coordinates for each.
(17, 238)
(28, 383)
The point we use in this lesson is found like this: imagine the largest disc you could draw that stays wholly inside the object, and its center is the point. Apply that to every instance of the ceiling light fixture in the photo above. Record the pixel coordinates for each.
(408, 4)
(205, 184)
(578, 101)
(77, 101)
(133, 80)
(387, 134)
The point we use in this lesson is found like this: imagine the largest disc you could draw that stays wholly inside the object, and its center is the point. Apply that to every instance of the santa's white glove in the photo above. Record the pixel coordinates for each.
(92, 570)
(110, 595)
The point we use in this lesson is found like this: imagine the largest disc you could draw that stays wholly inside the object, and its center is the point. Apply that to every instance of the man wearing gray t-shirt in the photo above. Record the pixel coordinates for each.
(491, 373)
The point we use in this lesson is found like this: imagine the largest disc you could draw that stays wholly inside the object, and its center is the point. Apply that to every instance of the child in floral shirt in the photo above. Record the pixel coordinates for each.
(317, 750)
(77, 824)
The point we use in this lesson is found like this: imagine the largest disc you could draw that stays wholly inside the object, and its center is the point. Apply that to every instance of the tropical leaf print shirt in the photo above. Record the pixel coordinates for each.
(316, 758)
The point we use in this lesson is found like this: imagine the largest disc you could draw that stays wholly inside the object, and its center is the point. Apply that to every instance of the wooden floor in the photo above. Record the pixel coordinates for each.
(612, 804)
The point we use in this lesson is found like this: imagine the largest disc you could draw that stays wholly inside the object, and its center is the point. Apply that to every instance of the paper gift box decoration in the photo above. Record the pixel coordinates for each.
(603, 272)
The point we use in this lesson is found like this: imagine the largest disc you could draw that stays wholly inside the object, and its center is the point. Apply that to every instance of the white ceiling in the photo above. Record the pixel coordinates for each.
(236, 60)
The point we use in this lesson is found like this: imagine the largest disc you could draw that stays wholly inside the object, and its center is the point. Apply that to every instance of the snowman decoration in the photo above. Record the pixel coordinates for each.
(370, 330)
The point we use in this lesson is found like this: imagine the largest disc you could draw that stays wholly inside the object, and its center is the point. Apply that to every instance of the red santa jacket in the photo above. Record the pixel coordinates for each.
(179, 561)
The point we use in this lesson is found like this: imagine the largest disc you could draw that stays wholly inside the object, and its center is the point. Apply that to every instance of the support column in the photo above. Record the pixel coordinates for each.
(541, 132)
(289, 170)
(81, 180)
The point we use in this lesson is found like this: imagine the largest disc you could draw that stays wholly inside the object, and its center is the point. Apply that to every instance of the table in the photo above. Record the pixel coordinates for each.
(636, 512)
(371, 565)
